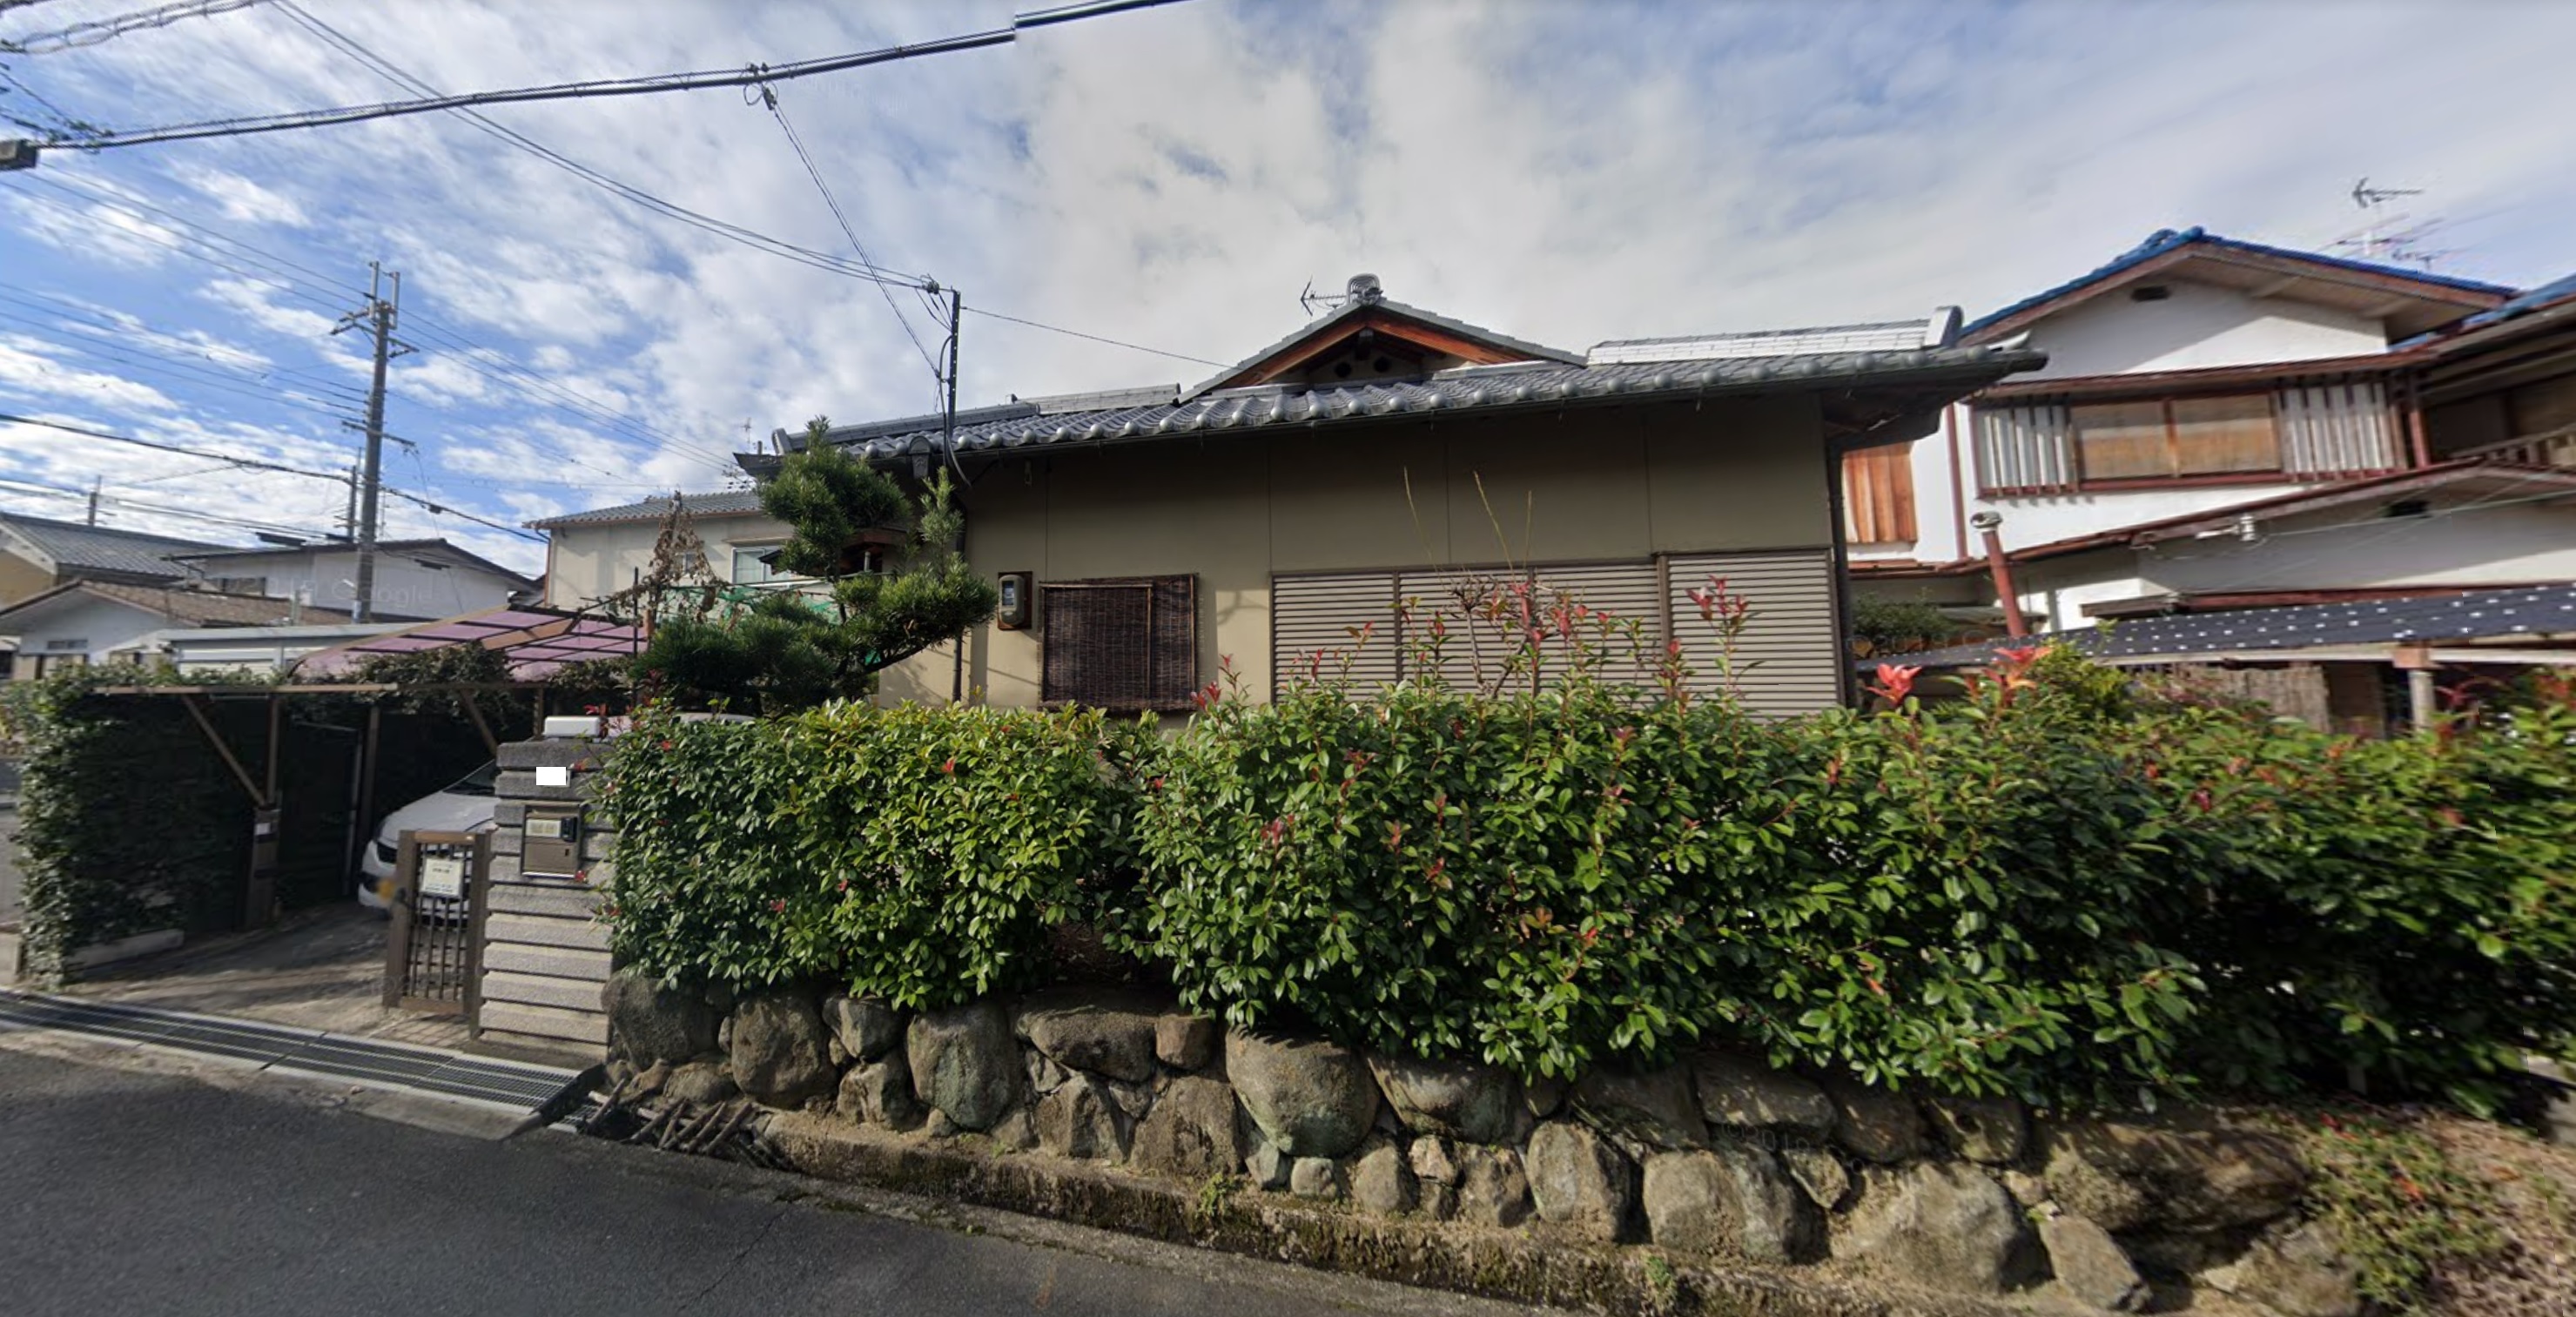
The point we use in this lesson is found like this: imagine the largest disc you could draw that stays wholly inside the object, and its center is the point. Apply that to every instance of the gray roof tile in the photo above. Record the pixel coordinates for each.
(1468, 389)
(722, 503)
(78, 548)
(2536, 613)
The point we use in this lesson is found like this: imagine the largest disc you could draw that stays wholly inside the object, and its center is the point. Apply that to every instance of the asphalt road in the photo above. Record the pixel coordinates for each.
(127, 1192)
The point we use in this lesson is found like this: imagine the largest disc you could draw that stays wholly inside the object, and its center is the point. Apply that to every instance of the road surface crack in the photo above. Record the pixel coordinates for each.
(734, 1263)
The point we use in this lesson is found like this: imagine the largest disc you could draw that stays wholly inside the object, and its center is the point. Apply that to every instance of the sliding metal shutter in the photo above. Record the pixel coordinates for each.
(2337, 429)
(1787, 660)
(2027, 449)
(1628, 591)
(1315, 623)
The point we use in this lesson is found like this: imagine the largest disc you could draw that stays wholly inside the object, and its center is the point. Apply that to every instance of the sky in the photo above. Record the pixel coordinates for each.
(1169, 178)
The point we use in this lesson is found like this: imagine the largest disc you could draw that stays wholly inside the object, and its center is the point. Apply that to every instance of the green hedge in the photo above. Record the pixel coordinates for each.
(2059, 887)
(917, 855)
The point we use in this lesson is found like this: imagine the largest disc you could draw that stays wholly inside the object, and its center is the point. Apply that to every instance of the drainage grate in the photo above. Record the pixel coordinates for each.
(511, 1084)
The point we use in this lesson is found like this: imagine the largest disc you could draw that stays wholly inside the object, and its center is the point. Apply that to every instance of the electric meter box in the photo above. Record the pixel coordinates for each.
(550, 842)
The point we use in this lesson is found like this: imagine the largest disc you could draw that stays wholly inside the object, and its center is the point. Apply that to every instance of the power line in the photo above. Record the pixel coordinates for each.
(769, 97)
(166, 510)
(721, 228)
(669, 82)
(108, 29)
(1076, 333)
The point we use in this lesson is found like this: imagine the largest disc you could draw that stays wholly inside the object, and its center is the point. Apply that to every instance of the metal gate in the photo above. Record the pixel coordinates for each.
(434, 951)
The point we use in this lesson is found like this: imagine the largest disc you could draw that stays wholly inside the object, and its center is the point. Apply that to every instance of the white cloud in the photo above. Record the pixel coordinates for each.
(29, 367)
(1173, 177)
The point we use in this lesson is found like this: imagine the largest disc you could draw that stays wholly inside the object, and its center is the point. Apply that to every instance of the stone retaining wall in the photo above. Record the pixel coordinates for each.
(1718, 1163)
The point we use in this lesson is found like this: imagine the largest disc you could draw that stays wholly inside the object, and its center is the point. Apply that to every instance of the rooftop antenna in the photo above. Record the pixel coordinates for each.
(2385, 237)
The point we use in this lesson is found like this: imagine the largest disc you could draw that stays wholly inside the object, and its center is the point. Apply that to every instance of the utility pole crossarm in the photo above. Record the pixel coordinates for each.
(379, 315)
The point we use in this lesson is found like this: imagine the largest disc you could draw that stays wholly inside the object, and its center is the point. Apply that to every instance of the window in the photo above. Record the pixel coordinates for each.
(1123, 645)
(748, 569)
(1878, 495)
(2547, 407)
(2167, 438)
(257, 585)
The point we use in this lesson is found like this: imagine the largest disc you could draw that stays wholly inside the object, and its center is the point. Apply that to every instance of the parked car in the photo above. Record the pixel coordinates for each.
(464, 805)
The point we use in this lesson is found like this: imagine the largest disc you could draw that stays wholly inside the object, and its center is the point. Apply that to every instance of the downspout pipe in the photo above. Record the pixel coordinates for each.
(1988, 525)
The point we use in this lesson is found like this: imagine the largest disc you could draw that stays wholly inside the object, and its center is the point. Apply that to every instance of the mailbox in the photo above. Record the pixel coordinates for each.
(550, 842)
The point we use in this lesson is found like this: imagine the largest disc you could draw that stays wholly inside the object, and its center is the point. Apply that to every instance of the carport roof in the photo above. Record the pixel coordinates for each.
(533, 641)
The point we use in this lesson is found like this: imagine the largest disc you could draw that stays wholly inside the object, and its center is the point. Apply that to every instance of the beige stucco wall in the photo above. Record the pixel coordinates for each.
(1586, 484)
(587, 563)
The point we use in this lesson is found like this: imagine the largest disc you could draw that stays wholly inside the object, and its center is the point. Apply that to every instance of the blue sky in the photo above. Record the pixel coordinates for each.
(1565, 172)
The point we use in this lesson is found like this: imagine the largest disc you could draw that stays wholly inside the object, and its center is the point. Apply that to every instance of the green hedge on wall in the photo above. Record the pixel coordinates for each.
(2059, 887)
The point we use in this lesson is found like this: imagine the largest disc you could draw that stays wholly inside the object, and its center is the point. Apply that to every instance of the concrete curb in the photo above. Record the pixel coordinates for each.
(1529, 1265)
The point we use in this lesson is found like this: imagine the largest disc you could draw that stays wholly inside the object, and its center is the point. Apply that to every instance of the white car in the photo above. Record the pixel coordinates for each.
(464, 805)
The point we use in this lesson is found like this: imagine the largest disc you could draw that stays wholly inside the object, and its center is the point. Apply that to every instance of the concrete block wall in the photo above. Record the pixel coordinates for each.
(545, 953)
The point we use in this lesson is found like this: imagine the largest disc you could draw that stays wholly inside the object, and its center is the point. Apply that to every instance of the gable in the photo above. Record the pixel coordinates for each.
(2405, 302)
(2170, 324)
(1371, 338)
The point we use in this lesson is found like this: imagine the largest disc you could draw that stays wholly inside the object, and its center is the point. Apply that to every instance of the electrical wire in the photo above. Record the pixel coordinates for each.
(769, 97)
(108, 29)
(759, 241)
(756, 74)
(164, 509)
(1076, 333)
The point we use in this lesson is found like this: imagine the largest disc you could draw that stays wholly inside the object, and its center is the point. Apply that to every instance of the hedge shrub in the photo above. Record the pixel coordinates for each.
(2061, 887)
(913, 854)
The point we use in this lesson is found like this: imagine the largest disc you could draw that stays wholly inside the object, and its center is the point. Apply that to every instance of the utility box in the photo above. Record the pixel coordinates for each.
(550, 841)
(259, 898)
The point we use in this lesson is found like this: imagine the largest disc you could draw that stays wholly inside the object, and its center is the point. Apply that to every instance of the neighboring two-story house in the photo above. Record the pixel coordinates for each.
(2221, 425)
(416, 580)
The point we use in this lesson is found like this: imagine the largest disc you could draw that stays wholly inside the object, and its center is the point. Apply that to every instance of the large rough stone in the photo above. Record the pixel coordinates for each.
(1874, 1123)
(1312, 1099)
(1016, 1131)
(1134, 1099)
(1493, 1190)
(2132, 1176)
(1655, 1108)
(1731, 1201)
(1578, 1178)
(1187, 1042)
(780, 1056)
(2090, 1265)
(965, 1064)
(1820, 1173)
(1107, 1035)
(2302, 1274)
(1191, 1133)
(1045, 1076)
(1460, 1099)
(1433, 1162)
(700, 1084)
(1267, 1167)
(879, 1092)
(1081, 1119)
(1381, 1182)
(1750, 1095)
(648, 1022)
(1315, 1177)
(1943, 1225)
(1981, 1129)
(1547, 1096)
(864, 1027)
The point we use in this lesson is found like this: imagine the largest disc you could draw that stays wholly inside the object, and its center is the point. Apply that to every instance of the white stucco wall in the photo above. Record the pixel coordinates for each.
(2198, 326)
(404, 586)
(98, 625)
(585, 564)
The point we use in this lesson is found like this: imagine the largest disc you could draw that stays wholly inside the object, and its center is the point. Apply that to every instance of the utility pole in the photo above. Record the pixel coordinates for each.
(379, 314)
(948, 443)
(94, 482)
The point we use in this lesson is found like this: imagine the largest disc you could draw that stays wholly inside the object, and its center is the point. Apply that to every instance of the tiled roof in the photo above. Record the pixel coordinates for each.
(1934, 331)
(2538, 299)
(1358, 307)
(1464, 389)
(2166, 240)
(77, 548)
(194, 608)
(2535, 612)
(722, 503)
(433, 546)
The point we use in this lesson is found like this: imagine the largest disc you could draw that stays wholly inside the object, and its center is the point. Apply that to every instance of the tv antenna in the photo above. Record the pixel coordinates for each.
(1309, 301)
(2371, 198)
(2386, 237)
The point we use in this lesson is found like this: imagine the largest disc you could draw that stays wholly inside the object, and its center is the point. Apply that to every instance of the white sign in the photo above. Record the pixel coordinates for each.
(554, 777)
(442, 876)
